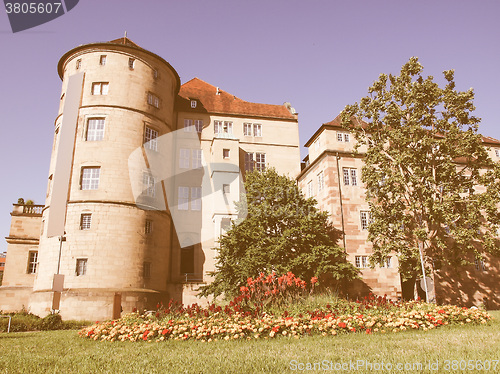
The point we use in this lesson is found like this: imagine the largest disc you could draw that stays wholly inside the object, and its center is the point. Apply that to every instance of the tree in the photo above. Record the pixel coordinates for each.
(282, 232)
(431, 186)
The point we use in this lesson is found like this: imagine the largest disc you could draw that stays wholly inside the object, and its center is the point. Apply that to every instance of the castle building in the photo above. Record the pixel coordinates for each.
(154, 168)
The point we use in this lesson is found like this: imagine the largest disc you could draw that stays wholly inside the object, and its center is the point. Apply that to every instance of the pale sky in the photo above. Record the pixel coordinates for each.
(319, 55)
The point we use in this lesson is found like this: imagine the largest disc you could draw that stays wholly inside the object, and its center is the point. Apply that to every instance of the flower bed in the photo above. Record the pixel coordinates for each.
(215, 323)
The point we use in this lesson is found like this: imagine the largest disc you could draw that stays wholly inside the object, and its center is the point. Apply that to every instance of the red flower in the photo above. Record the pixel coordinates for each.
(314, 280)
(276, 328)
(165, 332)
(441, 311)
(342, 325)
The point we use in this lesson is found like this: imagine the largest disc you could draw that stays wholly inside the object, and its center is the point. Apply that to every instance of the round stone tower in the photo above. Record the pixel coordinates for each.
(115, 255)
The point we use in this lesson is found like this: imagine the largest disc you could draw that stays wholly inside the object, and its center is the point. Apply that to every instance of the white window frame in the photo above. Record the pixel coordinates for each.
(197, 157)
(249, 161)
(150, 138)
(183, 198)
(196, 198)
(184, 158)
(32, 262)
(102, 60)
(364, 218)
(188, 125)
(260, 161)
(321, 181)
(100, 88)
(350, 176)
(247, 129)
(198, 125)
(218, 127)
(90, 176)
(131, 63)
(343, 137)
(85, 221)
(257, 130)
(153, 100)
(148, 226)
(193, 104)
(310, 189)
(148, 184)
(95, 129)
(361, 262)
(226, 152)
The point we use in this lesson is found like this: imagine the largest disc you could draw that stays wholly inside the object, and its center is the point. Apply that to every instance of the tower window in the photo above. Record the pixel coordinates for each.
(146, 270)
(148, 229)
(365, 219)
(81, 266)
(187, 260)
(102, 60)
(90, 178)
(78, 64)
(150, 139)
(131, 63)
(148, 184)
(100, 88)
(153, 100)
(225, 153)
(85, 221)
(95, 129)
(32, 262)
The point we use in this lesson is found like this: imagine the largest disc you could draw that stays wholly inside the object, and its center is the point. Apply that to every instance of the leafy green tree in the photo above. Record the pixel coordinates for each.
(431, 186)
(282, 232)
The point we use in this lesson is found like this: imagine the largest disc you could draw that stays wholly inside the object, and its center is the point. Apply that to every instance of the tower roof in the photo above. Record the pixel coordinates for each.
(215, 100)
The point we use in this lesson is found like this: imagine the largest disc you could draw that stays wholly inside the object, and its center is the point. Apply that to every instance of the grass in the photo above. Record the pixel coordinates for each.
(65, 352)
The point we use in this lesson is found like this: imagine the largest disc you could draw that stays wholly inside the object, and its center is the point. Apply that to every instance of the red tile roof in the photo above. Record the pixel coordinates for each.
(214, 100)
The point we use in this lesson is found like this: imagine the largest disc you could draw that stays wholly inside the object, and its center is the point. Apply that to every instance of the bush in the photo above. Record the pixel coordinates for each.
(51, 322)
(24, 321)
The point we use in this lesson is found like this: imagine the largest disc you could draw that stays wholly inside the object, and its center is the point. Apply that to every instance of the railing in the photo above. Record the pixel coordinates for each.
(32, 209)
(192, 278)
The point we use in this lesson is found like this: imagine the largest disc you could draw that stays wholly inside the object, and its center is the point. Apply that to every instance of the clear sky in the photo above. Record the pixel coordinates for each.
(318, 54)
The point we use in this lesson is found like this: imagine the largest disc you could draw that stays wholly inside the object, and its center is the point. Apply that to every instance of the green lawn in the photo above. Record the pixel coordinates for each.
(65, 352)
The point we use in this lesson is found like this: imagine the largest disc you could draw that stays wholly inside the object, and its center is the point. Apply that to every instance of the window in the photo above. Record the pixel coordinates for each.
(350, 177)
(343, 137)
(193, 104)
(90, 178)
(195, 198)
(310, 189)
(260, 161)
(100, 88)
(95, 129)
(183, 198)
(81, 266)
(85, 221)
(225, 225)
(249, 163)
(131, 63)
(247, 129)
(32, 262)
(387, 262)
(198, 125)
(146, 269)
(184, 158)
(155, 73)
(225, 153)
(188, 125)
(226, 188)
(321, 182)
(153, 100)
(479, 264)
(148, 184)
(365, 219)
(150, 139)
(148, 228)
(361, 261)
(225, 127)
(257, 129)
(78, 63)
(102, 60)
(197, 158)
(497, 152)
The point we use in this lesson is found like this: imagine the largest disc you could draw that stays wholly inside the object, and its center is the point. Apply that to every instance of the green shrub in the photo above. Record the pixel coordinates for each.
(51, 322)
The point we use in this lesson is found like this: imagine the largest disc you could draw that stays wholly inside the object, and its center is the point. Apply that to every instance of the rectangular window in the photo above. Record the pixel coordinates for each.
(78, 63)
(260, 161)
(228, 127)
(184, 158)
(321, 182)
(95, 129)
(183, 198)
(81, 266)
(225, 153)
(150, 139)
(339, 137)
(497, 152)
(32, 262)
(187, 260)
(148, 228)
(346, 138)
(193, 104)
(102, 60)
(131, 63)
(90, 178)
(361, 261)
(247, 129)
(197, 158)
(195, 198)
(148, 184)
(226, 188)
(100, 88)
(218, 127)
(146, 270)
(343, 137)
(350, 176)
(388, 262)
(188, 125)
(257, 129)
(365, 219)
(310, 191)
(155, 74)
(249, 162)
(198, 125)
(153, 100)
(85, 221)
